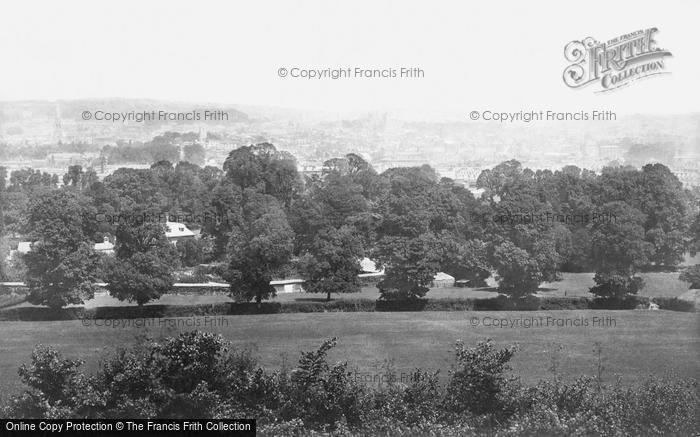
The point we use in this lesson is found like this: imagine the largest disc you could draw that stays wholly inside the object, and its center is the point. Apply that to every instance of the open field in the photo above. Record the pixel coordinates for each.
(639, 342)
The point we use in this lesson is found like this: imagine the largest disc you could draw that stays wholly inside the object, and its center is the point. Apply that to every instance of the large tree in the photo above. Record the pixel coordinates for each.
(332, 263)
(142, 269)
(619, 249)
(264, 169)
(259, 247)
(62, 265)
(410, 221)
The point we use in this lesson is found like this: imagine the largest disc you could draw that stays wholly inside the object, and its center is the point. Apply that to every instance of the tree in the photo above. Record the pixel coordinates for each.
(667, 209)
(691, 274)
(191, 251)
(142, 269)
(62, 264)
(259, 247)
(409, 222)
(194, 153)
(411, 264)
(74, 175)
(518, 272)
(142, 277)
(467, 260)
(619, 249)
(264, 169)
(332, 263)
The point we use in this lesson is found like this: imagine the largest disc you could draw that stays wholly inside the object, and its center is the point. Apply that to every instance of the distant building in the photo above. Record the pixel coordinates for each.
(288, 285)
(369, 266)
(24, 247)
(370, 273)
(175, 232)
(106, 247)
(442, 280)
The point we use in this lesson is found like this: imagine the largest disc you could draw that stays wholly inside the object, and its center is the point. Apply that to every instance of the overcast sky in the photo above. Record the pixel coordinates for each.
(490, 54)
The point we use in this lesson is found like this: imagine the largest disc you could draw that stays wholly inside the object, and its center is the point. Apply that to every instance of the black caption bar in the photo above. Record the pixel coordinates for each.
(127, 427)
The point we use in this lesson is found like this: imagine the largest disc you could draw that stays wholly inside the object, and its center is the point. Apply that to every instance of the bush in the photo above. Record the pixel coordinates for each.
(620, 303)
(507, 303)
(478, 380)
(322, 394)
(199, 374)
(674, 304)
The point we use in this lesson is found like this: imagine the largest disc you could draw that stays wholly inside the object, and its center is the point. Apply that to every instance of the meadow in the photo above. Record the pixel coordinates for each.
(634, 343)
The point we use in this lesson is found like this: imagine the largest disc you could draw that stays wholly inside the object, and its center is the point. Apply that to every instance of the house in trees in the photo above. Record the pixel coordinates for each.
(370, 273)
(176, 232)
(442, 280)
(106, 247)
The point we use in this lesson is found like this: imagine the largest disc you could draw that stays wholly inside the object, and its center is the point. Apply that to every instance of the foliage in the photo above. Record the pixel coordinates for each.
(614, 286)
(518, 272)
(62, 264)
(142, 269)
(332, 263)
(691, 274)
(258, 248)
(478, 380)
(199, 374)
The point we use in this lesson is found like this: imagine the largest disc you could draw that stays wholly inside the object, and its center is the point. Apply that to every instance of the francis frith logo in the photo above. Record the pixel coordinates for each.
(615, 63)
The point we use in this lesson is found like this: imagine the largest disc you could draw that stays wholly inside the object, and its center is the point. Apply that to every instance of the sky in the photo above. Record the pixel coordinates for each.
(498, 55)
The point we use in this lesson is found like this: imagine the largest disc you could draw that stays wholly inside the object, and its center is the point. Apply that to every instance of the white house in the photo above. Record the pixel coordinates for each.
(106, 247)
(175, 232)
(442, 280)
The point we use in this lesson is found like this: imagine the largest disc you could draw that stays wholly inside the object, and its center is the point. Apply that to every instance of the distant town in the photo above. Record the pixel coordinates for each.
(51, 136)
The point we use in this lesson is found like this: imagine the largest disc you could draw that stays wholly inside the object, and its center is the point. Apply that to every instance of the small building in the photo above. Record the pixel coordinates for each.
(288, 285)
(442, 280)
(175, 232)
(106, 247)
(24, 247)
(369, 266)
(370, 275)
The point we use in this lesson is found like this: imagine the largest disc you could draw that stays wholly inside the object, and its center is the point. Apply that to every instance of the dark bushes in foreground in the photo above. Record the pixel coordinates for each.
(198, 375)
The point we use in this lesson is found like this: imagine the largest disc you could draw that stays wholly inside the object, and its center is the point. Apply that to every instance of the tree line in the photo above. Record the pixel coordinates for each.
(268, 221)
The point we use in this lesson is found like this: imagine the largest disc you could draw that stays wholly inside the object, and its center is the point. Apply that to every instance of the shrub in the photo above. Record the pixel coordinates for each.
(674, 304)
(478, 380)
(320, 393)
(199, 375)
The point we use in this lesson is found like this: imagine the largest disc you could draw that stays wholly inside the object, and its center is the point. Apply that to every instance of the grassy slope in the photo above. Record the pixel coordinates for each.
(642, 342)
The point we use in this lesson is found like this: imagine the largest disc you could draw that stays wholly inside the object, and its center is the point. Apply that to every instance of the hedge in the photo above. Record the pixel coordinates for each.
(500, 303)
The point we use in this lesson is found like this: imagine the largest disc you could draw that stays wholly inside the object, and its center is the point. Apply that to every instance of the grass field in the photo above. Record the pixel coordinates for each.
(639, 343)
